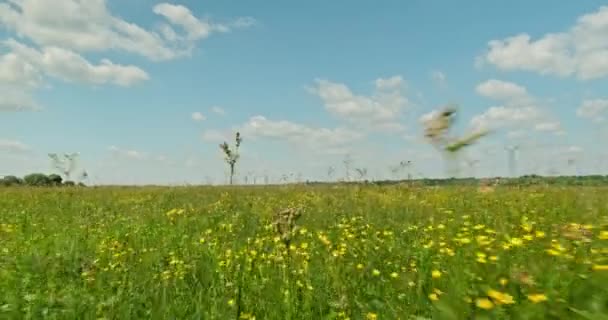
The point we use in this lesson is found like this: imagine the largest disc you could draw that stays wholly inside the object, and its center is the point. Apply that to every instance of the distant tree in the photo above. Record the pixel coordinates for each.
(55, 179)
(10, 181)
(69, 183)
(232, 155)
(37, 179)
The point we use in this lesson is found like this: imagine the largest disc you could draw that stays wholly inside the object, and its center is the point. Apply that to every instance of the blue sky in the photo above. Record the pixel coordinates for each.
(146, 90)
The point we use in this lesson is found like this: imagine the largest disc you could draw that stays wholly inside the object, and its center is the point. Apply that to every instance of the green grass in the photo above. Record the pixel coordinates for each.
(360, 253)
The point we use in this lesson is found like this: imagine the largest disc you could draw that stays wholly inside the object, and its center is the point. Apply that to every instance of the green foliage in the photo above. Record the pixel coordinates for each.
(8, 181)
(37, 180)
(55, 179)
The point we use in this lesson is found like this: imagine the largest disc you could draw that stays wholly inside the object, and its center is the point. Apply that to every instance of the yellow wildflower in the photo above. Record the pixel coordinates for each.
(433, 297)
(516, 242)
(484, 303)
(500, 298)
(537, 297)
(600, 267)
(436, 274)
(371, 316)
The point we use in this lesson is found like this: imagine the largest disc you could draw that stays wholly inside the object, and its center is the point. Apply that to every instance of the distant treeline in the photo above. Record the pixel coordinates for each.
(43, 180)
(528, 180)
(37, 180)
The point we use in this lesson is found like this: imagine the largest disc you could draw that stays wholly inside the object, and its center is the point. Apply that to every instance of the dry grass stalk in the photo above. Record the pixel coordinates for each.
(284, 223)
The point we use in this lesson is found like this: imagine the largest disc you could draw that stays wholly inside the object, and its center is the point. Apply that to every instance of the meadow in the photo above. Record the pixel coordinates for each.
(358, 252)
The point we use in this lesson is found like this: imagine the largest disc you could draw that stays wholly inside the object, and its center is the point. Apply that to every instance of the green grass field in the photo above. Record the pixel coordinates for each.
(360, 252)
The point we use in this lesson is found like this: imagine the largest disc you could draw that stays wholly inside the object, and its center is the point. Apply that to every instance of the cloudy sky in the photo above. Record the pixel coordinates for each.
(146, 90)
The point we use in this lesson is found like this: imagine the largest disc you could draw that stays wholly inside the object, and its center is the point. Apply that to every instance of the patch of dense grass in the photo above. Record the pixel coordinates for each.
(360, 252)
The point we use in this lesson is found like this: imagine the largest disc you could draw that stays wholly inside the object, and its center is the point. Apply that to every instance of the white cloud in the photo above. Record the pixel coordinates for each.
(13, 99)
(394, 82)
(70, 66)
(548, 127)
(439, 78)
(298, 134)
(244, 22)
(501, 116)
(380, 111)
(580, 51)
(593, 109)
(197, 116)
(516, 134)
(128, 154)
(89, 26)
(182, 16)
(13, 146)
(16, 71)
(81, 26)
(218, 110)
(518, 109)
(501, 90)
(428, 116)
(212, 135)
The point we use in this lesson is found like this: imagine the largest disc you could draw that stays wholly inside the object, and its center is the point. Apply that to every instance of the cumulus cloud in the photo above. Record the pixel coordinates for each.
(516, 134)
(428, 116)
(69, 66)
(14, 99)
(517, 110)
(53, 38)
(380, 111)
(195, 29)
(218, 110)
(17, 71)
(127, 153)
(198, 116)
(89, 26)
(298, 134)
(580, 51)
(502, 116)
(213, 135)
(573, 149)
(501, 90)
(548, 126)
(182, 16)
(13, 146)
(594, 109)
